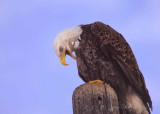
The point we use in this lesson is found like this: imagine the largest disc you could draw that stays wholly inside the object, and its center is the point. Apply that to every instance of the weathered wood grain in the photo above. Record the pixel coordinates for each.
(95, 98)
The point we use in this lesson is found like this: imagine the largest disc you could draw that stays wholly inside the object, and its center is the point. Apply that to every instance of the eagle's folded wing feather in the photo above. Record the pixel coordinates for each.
(113, 43)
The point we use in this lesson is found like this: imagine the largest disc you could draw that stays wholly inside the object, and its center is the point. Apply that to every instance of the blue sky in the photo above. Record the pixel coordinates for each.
(32, 80)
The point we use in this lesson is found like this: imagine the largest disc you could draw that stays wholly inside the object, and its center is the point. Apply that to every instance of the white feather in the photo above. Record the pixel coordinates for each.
(134, 102)
(76, 45)
(65, 37)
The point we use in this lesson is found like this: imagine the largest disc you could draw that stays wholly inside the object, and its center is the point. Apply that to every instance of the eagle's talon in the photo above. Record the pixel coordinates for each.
(96, 81)
(102, 51)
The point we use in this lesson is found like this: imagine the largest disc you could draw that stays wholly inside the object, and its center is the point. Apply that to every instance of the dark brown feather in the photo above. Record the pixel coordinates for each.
(113, 43)
(103, 54)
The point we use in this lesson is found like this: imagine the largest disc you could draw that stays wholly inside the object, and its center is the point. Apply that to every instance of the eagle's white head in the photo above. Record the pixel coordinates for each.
(66, 42)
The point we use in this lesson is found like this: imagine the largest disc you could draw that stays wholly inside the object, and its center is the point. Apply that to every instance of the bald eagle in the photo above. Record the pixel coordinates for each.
(102, 54)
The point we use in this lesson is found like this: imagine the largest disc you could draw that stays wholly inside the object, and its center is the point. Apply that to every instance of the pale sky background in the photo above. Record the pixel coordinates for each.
(32, 80)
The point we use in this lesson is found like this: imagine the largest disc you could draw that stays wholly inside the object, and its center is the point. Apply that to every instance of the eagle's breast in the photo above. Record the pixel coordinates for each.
(92, 63)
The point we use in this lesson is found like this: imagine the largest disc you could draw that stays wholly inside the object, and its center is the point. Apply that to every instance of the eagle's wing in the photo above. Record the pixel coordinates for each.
(119, 50)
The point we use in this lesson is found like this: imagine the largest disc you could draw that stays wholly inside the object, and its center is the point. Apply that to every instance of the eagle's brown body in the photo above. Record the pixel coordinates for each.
(103, 54)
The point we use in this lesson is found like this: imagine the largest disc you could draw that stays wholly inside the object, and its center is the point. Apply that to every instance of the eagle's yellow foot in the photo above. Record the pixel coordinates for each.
(96, 81)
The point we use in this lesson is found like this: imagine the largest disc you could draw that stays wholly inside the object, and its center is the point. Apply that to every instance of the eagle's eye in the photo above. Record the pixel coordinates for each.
(61, 49)
(67, 53)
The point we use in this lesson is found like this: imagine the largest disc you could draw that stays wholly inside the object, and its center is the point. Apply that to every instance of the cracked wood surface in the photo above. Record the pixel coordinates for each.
(95, 98)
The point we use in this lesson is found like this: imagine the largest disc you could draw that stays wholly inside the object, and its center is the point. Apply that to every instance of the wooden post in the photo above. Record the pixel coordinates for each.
(95, 98)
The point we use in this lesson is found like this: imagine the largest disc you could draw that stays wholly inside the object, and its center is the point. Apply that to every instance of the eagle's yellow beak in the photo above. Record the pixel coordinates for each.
(63, 59)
